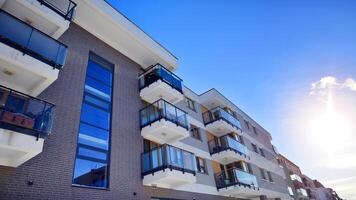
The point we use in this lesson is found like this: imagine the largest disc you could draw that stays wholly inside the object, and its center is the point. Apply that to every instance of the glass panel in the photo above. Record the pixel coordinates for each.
(95, 116)
(100, 73)
(91, 153)
(92, 136)
(14, 30)
(97, 101)
(43, 45)
(161, 109)
(24, 37)
(158, 72)
(98, 88)
(26, 112)
(90, 173)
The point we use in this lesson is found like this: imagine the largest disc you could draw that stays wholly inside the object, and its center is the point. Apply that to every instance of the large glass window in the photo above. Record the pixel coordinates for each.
(92, 159)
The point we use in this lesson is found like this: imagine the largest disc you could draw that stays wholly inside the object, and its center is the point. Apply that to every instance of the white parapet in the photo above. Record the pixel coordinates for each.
(160, 89)
(168, 178)
(164, 131)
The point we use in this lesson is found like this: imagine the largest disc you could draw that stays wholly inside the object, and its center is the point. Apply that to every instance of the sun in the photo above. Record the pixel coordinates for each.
(329, 130)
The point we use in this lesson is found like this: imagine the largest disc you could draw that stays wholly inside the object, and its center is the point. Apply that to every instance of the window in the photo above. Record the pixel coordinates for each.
(254, 148)
(201, 165)
(262, 152)
(269, 176)
(190, 103)
(263, 175)
(255, 130)
(290, 191)
(92, 157)
(247, 124)
(249, 168)
(195, 132)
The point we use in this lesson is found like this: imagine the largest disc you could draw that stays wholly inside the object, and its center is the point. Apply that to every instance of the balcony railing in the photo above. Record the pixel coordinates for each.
(168, 157)
(25, 114)
(158, 72)
(218, 113)
(161, 109)
(302, 192)
(23, 37)
(235, 176)
(295, 177)
(64, 8)
(226, 142)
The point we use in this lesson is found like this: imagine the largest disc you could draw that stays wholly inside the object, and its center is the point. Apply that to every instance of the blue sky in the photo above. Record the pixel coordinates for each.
(264, 56)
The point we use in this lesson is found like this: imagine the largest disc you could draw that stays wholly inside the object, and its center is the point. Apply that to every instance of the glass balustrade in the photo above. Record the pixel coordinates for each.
(219, 113)
(25, 38)
(161, 109)
(167, 156)
(25, 114)
(235, 176)
(225, 143)
(158, 72)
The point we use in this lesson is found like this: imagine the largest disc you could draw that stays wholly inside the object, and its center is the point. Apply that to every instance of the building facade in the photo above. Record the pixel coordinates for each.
(295, 184)
(90, 108)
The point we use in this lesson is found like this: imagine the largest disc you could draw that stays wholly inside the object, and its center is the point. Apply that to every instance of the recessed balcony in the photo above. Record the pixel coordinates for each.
(24, 123)
(237, 183)
(226, 150)
(50, 16)
(219, 122)
(168, 167)
(162, 122)
(158, 82)
(30, 60)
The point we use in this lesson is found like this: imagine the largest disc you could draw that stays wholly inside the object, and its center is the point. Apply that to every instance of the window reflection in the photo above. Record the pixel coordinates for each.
(91, 164)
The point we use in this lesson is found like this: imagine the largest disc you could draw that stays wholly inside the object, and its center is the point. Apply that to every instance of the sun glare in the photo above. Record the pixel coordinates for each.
(330, 130)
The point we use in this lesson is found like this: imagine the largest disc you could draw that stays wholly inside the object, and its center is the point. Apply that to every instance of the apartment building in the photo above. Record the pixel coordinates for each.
(295, 184)
(90, 108)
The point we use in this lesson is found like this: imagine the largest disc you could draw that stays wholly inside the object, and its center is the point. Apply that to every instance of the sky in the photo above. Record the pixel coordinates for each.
(291, 65)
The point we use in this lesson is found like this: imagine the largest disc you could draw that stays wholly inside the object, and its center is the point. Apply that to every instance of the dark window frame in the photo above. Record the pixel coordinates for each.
(269, 175)
(190, 104)
(199, 167)
(263, 175)
(196, 130)
(262, 152)
(254, 148)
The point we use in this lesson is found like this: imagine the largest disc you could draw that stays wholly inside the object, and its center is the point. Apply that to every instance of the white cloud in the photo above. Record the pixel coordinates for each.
(326, 83)
(350, 83)
(345, 187)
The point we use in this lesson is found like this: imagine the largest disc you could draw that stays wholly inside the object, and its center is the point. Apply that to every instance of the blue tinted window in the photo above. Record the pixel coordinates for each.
(91, 164)
(93, 136)
(97, 88)
(95, 116)
(91, 153)
(97, 102)
(90, 173)
(96, 71)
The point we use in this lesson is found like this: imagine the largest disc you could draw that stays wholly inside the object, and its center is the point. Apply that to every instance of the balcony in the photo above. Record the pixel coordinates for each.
(226, 150)
(30, 60)
(24, 123)
(235, 182)
(162, 122)
(158, 82)
(219, 122)
(50, 16)
(301, 193)
(168, 167)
